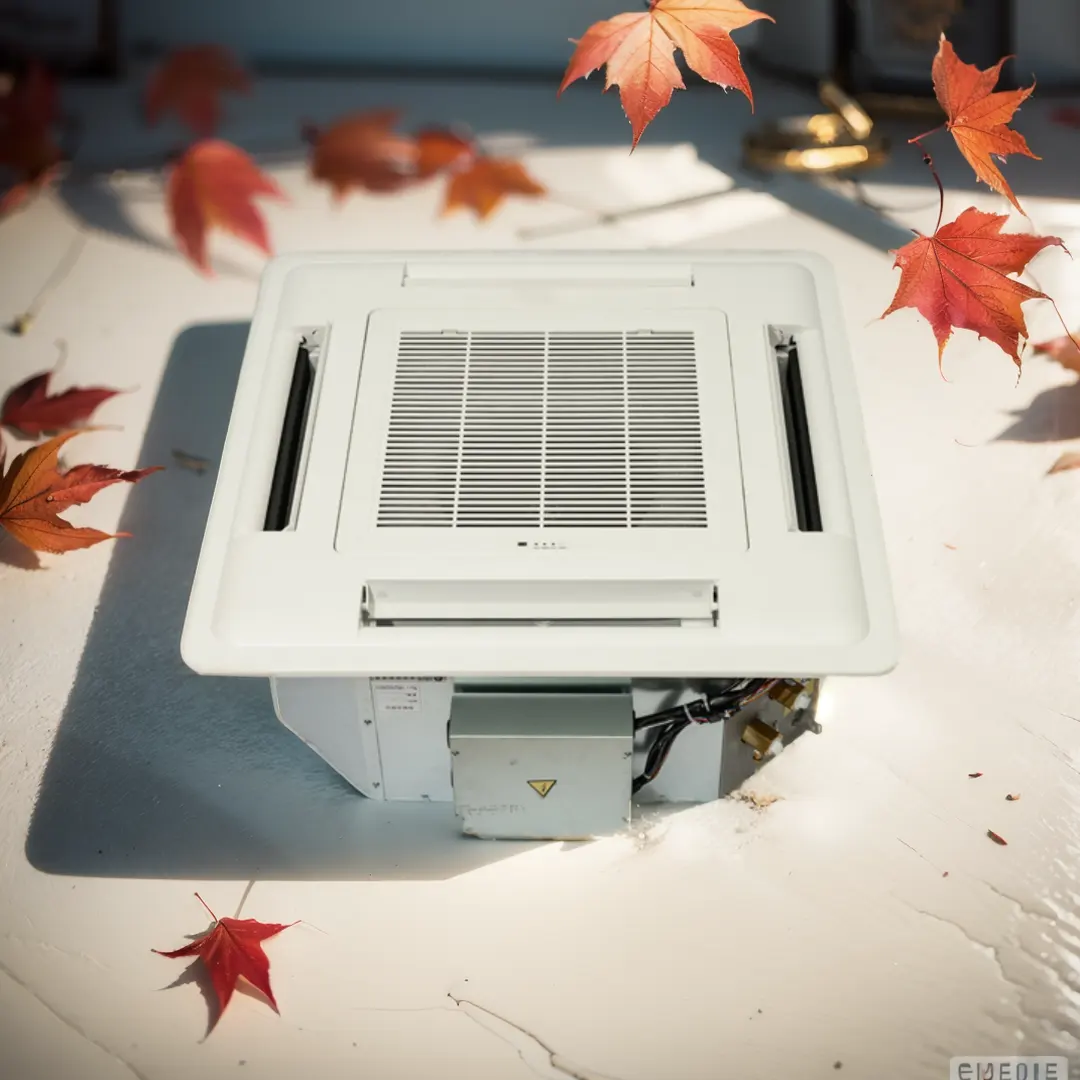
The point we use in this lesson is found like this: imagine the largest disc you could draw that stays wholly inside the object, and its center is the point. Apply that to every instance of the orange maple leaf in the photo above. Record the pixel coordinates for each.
(27, 147)
(1066, 463)
(977, 117)
(438, 149)
(362, 151)
(482, 185)
(213, 185)
(191, 81)
(639, 50)
(958, 279)
(476, 181)
(33, 493)
(231, 950)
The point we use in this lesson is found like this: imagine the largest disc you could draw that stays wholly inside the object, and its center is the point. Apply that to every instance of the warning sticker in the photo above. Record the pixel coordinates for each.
(541, 787)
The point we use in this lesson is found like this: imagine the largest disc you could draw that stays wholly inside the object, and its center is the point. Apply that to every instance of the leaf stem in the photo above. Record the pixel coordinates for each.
(1065, 327)
(929, 162)
(207, 906)
(21, 324)
(932, 131)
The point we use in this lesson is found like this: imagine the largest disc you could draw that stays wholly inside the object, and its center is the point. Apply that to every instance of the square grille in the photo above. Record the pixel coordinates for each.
(544, 429)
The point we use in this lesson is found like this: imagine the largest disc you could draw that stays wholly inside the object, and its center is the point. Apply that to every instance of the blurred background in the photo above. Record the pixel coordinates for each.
(877, 45)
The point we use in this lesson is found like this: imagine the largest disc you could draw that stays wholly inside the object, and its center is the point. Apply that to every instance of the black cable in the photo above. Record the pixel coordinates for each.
(703, 709)
(675, 720)
(658, 753)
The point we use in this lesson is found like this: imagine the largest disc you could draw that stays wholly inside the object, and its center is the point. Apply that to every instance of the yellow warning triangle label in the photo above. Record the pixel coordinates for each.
(541, 787)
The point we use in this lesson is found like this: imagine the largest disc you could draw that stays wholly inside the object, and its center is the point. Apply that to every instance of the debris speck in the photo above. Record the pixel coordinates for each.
(996, 838)
(945, 873)
(758, 800)
(974, 775)
(951, 547)
(1012, 798)
(191, 462)
(837, 1064)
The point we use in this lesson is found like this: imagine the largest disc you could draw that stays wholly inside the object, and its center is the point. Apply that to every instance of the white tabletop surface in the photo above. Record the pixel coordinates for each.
(815, 938)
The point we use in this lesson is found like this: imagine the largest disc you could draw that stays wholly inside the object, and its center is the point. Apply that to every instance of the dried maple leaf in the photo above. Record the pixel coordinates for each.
(33, 493)
(1063, 350)
(977, 117)
(190, 82)
(27, 148)
(639, 50)
(212, 186)
(958, 279)
(1068, 461)
(363, 151)
(30, 409)
(485, 182)
(232, 949)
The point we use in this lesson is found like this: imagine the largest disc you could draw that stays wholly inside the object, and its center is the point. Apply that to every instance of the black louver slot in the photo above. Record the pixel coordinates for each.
(286, 469)
(800, 451)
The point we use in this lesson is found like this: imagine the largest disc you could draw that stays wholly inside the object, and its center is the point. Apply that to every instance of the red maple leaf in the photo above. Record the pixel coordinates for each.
(959, 279)
(30, 409)
(33, 493)
(1066, 115)
(231, 950)
(190, 82)
(639, 50)
(977, 117)
(27, 149)
(362, 151)
(212, 186)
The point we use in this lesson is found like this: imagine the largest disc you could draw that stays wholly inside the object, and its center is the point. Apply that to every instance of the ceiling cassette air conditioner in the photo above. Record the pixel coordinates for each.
(569, 480)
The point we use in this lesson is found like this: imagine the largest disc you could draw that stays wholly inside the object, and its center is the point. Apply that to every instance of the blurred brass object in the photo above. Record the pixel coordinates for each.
(855, 117)
(810, 145)
(839, 141)
(901, 105)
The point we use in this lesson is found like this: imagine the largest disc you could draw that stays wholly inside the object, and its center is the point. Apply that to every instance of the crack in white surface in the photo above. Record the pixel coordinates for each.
(985, 948)
(45, 946)
(1022, 908)
(531, 1045)
(71, 1024)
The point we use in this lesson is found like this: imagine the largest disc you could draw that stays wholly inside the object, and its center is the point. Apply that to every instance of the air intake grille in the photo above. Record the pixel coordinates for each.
(544, 430)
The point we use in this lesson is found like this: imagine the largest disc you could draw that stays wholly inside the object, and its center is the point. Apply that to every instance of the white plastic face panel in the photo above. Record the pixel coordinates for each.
(488, 437)
(472, 564)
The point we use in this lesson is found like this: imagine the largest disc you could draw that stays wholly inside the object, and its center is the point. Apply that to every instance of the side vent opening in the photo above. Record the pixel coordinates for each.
(800, 455)
(284, 502)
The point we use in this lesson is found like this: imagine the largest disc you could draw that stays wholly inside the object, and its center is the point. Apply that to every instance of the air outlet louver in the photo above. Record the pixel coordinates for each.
(544, 430)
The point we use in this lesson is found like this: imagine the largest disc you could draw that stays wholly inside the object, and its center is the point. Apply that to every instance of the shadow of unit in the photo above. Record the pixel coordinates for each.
(157, 772)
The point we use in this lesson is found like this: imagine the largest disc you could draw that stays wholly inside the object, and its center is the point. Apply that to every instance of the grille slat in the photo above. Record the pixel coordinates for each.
(544, 429)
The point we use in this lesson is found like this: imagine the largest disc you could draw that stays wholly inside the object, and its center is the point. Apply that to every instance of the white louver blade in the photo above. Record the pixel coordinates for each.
(544, 429)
